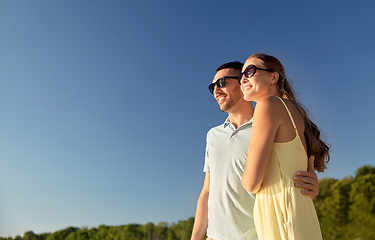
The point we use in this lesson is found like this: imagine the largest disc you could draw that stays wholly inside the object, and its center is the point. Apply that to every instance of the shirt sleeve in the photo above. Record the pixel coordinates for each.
(206, 167)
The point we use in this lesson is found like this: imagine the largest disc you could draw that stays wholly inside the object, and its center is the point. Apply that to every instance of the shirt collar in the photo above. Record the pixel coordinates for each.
(227, 123)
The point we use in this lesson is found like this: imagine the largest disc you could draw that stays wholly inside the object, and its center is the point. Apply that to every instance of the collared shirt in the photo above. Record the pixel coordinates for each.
(230, 206)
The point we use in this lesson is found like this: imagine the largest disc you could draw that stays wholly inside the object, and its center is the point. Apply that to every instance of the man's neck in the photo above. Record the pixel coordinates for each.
(239, 117)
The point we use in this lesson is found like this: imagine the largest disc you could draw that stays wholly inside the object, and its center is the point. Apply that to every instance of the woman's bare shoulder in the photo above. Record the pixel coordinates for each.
(272, 103)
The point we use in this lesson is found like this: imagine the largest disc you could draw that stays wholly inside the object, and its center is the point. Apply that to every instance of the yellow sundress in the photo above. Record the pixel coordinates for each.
(281, 211)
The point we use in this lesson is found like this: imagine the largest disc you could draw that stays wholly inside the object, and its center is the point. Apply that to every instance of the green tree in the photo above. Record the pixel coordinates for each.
(334, 210)
(78, 235)
(182, 230)
(130, 232)
(362, 210)
(30, 235)
(160, 231)
(111, 233)
(100, 233)
(43, 236)
(62, 234)
(325, 191)
(365, 170)
(148, 231)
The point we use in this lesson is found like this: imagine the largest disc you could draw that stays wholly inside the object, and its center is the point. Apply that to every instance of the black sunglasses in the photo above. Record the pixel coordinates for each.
(250, 71)
(220, 83)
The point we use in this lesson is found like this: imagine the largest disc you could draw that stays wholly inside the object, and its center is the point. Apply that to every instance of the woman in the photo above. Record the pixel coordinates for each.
(282, 137)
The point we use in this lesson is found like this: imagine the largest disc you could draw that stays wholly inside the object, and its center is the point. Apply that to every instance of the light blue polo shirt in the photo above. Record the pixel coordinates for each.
(230, 206)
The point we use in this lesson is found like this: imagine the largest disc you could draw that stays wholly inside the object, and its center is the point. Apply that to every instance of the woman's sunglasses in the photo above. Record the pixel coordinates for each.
(250, 71)
(220, 83)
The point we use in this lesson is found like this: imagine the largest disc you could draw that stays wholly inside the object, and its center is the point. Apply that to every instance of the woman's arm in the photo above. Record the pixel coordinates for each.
(265, 125)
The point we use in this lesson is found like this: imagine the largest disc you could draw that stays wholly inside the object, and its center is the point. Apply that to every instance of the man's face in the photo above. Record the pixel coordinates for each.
(229, 95)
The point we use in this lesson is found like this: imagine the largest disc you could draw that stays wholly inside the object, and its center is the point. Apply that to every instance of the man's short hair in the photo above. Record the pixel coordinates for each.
(235, 65)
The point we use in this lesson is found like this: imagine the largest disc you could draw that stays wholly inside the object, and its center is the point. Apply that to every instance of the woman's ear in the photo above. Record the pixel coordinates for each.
(275, 77)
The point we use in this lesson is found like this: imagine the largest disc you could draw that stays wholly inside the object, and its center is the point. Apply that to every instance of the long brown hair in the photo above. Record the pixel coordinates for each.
(315, 145)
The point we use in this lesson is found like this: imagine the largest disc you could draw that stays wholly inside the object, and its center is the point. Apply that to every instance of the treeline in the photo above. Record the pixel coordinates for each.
(346, 208)
(161, 231)
(346, 211)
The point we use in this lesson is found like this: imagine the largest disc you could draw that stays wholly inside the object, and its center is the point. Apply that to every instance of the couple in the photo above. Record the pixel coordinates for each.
(282, 136)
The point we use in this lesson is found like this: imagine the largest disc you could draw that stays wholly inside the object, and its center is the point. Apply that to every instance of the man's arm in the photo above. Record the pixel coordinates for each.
(308, 180)
(201, 215)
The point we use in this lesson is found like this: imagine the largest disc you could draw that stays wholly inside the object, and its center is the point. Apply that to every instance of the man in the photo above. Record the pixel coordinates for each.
(225, 208)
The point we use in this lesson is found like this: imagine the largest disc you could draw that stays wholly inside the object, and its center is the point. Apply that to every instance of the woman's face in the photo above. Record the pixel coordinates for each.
(258, 85)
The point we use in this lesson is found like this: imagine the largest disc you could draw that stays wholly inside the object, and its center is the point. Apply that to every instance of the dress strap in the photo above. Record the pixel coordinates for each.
(290, 115)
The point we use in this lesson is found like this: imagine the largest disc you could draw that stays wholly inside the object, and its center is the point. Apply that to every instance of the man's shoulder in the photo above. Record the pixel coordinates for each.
(217, 128)
(216, 132)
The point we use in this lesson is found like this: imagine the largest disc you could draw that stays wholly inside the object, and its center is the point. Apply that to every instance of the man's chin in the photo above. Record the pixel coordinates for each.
(224, 108)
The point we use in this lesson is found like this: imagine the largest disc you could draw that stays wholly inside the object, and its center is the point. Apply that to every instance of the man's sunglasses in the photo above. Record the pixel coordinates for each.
(220, 83)
(250, 71)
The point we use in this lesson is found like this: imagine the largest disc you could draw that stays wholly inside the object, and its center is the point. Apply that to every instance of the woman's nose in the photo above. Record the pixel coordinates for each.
(243, 80)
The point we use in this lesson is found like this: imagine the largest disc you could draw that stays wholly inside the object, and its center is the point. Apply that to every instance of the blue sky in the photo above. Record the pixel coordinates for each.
(105, 107)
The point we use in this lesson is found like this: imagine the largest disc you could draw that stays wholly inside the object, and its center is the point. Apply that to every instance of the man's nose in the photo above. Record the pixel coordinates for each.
(217, 89)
